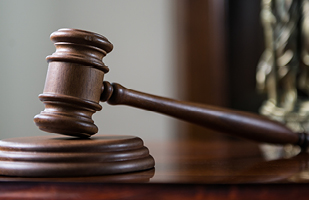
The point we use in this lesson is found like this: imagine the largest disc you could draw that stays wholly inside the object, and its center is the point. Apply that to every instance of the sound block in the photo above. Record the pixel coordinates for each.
(57, 156)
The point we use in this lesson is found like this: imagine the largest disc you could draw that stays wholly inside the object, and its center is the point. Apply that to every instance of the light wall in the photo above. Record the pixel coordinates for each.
(141, 32)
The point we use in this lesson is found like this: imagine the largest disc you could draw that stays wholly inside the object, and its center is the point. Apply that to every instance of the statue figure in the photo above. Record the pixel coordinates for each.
(283, 70)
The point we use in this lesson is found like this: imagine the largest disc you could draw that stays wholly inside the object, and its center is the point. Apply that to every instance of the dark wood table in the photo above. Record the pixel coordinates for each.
(229, 169)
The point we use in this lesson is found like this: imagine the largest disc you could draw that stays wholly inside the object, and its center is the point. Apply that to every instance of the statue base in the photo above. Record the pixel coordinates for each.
(297, 120)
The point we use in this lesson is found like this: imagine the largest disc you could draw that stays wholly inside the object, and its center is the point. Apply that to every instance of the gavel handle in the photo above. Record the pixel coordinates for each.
(241, 124)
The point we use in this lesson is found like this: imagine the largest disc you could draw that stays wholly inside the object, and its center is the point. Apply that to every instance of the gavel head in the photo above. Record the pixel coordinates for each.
(74, 83)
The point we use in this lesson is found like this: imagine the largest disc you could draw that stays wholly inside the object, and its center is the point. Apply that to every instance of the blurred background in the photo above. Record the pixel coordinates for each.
(204, 51)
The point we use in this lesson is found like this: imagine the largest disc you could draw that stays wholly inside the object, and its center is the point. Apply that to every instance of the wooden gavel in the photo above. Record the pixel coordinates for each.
(74, 87)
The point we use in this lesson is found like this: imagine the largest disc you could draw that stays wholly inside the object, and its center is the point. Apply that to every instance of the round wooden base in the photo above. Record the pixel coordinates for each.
(54, 156)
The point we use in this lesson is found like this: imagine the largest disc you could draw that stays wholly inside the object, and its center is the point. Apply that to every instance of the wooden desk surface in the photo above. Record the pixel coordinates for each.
(184, 170)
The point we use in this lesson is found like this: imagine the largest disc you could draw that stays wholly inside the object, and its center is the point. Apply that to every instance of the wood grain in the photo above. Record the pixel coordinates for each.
(74, 86)
(50, 156)
(184, 170)
(236, 123)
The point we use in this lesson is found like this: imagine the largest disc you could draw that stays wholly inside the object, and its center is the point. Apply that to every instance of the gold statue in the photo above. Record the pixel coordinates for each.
(283, 70)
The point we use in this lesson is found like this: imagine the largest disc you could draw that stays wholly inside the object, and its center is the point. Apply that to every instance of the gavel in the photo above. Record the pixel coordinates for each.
(74, 88)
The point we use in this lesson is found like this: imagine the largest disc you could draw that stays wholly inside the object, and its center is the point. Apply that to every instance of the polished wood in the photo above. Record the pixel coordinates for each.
(236, 123)
(202, 68)
(52, 156)
(51, 191)
(74, 86)
(73, 83)
(198, 169)
(218, 46)
(243, 22)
